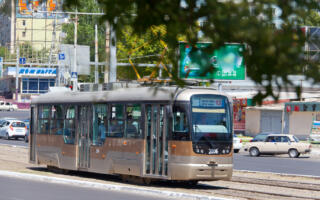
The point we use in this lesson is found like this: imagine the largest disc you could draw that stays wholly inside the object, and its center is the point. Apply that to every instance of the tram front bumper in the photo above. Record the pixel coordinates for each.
(201, 171)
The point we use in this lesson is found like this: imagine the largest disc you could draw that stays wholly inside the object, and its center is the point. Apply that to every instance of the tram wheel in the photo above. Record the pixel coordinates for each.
(147, 181)
(193, 183)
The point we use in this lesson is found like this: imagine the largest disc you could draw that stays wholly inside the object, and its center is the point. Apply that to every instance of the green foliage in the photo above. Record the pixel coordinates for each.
(146, 48)
(273, 51)
(313, 19)
(2, 51)
(127, 41)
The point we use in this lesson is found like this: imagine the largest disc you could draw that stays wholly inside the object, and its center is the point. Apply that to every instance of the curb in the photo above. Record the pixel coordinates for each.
(280, 174)
(107, 186)
(14, 146)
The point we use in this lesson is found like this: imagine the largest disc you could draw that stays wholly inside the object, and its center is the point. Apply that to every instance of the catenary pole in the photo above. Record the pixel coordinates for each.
(96, 60)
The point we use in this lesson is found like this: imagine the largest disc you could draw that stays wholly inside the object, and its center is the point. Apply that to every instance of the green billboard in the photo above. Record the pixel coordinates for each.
(225, 63)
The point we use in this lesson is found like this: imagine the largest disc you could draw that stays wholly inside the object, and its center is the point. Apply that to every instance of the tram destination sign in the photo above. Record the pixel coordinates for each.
(225, 63)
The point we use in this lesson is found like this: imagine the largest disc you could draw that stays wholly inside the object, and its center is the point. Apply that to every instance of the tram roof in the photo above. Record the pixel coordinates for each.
(123, 95)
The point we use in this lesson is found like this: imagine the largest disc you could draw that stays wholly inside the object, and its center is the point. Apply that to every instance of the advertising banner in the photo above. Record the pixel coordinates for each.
(239, 114)
(224, 63)
(31, 8)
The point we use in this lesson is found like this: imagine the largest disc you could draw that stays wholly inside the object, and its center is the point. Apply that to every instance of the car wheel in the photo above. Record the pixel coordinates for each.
(293, 153)
(254, 151)
(7, 136)
(236, 150)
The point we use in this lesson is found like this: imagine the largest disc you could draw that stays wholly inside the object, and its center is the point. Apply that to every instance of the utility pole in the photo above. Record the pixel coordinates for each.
(96, 60)
(17, 71)
(113, 55)
(107, 67)
(74, 71)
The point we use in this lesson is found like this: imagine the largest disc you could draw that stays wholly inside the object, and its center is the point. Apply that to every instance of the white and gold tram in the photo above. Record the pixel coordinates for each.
(183, 135)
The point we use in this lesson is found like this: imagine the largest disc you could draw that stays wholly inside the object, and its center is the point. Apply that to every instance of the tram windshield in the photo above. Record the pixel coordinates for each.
(211, 122)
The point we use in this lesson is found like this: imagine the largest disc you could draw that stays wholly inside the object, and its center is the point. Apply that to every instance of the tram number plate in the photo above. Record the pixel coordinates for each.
(213, 151)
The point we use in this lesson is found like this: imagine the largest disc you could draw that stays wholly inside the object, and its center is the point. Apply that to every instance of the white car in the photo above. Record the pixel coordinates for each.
(13, 129)
(237, 144)
(278, 144)
(8, 106)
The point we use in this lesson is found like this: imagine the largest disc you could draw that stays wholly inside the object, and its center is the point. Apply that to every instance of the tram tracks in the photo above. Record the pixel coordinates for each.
(257, 188)
(244, 186)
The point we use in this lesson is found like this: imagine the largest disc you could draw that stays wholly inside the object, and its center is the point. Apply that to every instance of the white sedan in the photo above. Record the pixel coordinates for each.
(278, 144)
(237, 144)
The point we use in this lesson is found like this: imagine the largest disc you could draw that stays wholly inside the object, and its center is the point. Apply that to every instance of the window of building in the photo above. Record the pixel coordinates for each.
(133, 121)
(43, 123)
(43, 85)
(99, 124)
(36, 86)
(23, 34)
(116, 121)
(33, 85)
(23, 22)
(69, 125)
(56, 122)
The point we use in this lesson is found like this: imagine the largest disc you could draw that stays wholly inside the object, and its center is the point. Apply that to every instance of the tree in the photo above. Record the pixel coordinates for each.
(313, 19)
(145, 48)
(269, 29)
(126, 43)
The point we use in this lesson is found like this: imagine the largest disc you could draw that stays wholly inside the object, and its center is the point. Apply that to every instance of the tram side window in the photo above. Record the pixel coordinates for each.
(116, 121)
(133, 121)
(69, 125)
(43, 115)
(180, 129)
(99, 124)
(56, 125)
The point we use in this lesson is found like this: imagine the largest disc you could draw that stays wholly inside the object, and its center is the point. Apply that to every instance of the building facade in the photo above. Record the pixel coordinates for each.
(32, 82)
(31, 22)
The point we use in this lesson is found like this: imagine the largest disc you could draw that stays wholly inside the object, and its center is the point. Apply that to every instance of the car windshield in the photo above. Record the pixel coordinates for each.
(296, 139)
(18, 124)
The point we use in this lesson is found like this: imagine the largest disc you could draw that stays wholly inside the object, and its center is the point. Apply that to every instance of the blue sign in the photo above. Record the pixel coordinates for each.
(33, 71)
(22, 61)
(62, 56)
(1, 60)
(74, 74)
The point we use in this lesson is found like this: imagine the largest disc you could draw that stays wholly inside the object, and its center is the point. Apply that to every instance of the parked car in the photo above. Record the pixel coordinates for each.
(27, 123)
(237, 144)
(13, 129)
(278, 144)
(260, 137)
(8, 106)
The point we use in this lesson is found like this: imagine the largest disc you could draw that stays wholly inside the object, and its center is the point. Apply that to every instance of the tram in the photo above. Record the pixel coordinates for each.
(169, 134)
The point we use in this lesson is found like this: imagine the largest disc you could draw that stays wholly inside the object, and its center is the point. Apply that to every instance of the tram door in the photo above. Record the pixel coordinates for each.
(156, 135)
(84, 116)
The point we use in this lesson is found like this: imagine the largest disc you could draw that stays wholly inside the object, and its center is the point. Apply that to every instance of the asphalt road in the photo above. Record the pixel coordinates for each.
(19, 114)
(304, 165)
(23, 189)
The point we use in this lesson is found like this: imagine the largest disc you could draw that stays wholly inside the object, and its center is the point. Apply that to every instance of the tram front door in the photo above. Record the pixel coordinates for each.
(156, 135)
(84, 117)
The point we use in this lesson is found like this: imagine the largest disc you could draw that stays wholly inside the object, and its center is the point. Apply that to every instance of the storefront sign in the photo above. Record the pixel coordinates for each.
(32, 71)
